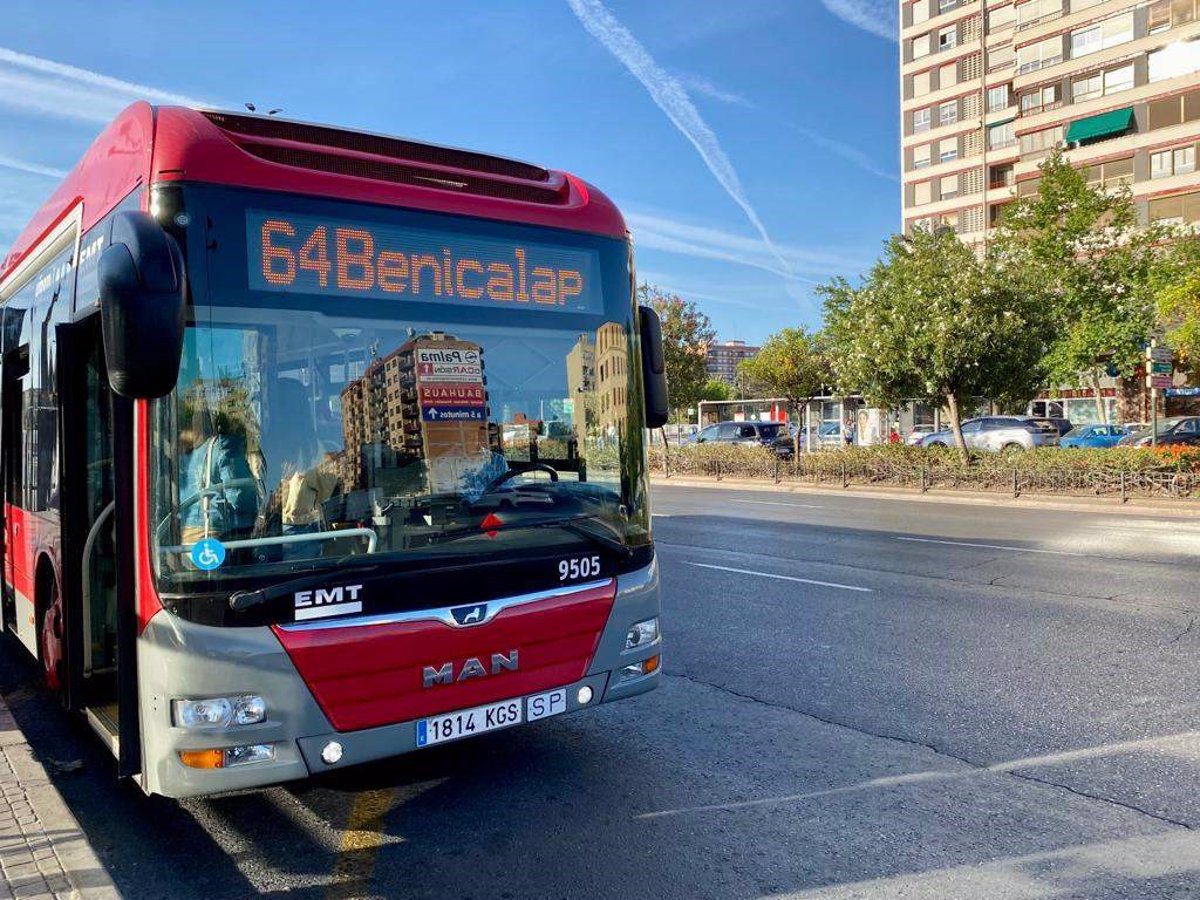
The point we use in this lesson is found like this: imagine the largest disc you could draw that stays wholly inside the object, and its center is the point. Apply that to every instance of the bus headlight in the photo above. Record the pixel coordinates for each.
(642, 633)
(220, 712)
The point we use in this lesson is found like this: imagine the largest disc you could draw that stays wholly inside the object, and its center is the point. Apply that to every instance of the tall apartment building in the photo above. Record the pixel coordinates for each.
(989, 87)
(721, 360)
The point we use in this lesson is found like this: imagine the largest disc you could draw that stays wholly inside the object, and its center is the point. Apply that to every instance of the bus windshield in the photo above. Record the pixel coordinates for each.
(311, 423)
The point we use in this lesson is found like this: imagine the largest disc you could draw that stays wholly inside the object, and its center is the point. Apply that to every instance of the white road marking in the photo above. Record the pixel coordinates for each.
(779, 503)
(829, 584)
(989, 546)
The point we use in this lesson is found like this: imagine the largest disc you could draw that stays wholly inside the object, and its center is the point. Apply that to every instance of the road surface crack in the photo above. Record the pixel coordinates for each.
(1184, 633)
(999, 769)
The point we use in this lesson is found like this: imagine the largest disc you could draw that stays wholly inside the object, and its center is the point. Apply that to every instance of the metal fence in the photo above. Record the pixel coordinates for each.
(828, 469)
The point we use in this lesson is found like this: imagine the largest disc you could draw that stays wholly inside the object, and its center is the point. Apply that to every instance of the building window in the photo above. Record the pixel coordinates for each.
(948, 113)
(1040, 99)
(948, 38)
(922, 193)
(920, 84)
(1102, 35)
(1029, 187)
(920, 46)
(949, 187)
(1180, 161)
(1167, 14)
(922, 156)
(1119, 79)
(1029, 14)
(948, 75)
(997, 98)
(948, 150)
(1001, 176)
(1045, 53)
(1037, 141)
(1173, 60)
(1110, 174)
(1001, 58)
(1180, 208)
(920, 120)
(946, 5)
(1087, 87)
(920, 12)
(1001, 17)
(1174, 110)
(1000, 136)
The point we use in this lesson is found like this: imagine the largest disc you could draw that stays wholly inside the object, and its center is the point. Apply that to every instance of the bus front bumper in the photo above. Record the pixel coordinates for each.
(179, 659)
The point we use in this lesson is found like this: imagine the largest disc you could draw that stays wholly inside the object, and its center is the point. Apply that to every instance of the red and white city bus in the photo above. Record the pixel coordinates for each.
(320, 446)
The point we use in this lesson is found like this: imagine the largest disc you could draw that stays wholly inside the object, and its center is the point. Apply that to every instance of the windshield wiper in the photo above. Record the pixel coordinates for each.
(243, 600)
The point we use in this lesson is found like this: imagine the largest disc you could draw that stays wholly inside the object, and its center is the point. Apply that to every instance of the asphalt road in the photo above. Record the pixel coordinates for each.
(863, 698)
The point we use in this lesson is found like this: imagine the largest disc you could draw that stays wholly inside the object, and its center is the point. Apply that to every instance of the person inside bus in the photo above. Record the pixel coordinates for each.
(215, 471)
(301, 478)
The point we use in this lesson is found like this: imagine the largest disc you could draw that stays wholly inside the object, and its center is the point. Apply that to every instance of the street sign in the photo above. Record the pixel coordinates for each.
(1161, 354)
(1158, 382)
(1162, 368)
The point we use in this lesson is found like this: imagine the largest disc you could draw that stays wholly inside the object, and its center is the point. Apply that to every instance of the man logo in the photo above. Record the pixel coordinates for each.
(470, 615)
(448, 673)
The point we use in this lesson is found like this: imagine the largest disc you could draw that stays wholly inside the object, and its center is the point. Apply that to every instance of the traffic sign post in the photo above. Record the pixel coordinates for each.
(1160, 368)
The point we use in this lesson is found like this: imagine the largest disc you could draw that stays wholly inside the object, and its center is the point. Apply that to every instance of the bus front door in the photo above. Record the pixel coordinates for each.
(89, 557)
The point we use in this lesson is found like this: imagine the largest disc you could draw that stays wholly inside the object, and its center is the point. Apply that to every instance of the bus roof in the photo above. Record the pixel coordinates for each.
(150, 145)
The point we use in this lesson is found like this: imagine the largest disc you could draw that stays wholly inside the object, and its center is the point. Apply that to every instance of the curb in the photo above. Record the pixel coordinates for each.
(43, 851)
(1109, 506)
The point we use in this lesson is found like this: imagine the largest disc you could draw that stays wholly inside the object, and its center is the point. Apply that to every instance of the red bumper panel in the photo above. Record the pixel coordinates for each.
(373, 674)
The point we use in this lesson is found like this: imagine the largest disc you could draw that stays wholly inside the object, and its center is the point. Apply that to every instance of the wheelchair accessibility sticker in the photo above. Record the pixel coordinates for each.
(208, 554)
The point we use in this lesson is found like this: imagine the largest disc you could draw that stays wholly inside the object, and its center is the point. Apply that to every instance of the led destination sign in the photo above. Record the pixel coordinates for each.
(312, 255)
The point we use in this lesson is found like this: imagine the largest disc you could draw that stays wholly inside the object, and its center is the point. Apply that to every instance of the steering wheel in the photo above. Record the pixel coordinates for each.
(216, 489)
(513, 473)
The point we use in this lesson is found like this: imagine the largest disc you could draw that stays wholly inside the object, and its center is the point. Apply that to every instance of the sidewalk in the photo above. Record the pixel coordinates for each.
(43, 851)
(1163, 509)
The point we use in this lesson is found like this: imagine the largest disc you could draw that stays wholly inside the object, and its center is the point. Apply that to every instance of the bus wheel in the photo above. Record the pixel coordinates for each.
(52, 636)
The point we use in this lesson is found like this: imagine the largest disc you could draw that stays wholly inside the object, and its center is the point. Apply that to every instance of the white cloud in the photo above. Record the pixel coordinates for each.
(877, 17)
(813, 266)
(672, 98)
(848, 152)
(698, 84)
(20, 165)
(48, 88)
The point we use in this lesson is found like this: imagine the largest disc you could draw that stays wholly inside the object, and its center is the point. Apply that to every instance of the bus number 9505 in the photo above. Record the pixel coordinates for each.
(579, 567)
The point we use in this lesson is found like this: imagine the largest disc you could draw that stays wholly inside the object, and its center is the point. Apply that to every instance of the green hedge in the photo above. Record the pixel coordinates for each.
(702, 457)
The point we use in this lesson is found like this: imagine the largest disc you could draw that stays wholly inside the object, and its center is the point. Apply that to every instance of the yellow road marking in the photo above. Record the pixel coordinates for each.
(361, 840)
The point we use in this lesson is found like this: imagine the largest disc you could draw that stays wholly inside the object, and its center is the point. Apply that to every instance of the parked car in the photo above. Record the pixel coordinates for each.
(999, 433)
(1180, 430)
(918, 434)
(1093, 436)
(745, 433)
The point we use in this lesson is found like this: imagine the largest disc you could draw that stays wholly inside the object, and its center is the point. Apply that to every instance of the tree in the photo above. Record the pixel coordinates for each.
(794, 365)
(715, 389)
(687, 334)
(1176, 285)
(1082, 251)
(933, 322)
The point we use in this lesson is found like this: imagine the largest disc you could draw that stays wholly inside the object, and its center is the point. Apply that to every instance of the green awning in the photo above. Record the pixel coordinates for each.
(1094, 128)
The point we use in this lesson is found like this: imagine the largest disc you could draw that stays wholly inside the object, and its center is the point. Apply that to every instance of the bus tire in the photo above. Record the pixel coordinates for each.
(51, 639)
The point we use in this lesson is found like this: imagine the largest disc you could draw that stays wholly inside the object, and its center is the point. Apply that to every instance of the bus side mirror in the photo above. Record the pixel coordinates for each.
(143, 292)
(654, 368)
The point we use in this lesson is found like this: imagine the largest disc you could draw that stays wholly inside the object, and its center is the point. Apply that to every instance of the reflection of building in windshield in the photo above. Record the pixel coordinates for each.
(425, 401)
(581, 382)
(612, 381)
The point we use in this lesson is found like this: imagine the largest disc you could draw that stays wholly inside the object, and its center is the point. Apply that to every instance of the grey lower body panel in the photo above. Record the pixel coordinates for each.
(179, 659)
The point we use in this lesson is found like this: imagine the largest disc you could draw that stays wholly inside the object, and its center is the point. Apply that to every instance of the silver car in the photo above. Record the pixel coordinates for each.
(999, 433)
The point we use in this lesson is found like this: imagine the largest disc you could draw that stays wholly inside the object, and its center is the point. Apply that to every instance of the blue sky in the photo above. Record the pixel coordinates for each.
(751, 145)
